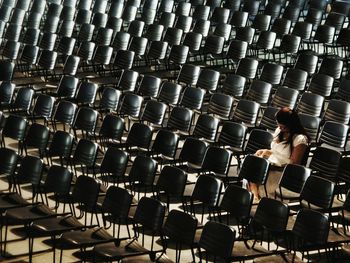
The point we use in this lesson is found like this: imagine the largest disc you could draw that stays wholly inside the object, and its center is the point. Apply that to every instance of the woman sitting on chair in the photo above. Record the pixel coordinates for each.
(289, 145)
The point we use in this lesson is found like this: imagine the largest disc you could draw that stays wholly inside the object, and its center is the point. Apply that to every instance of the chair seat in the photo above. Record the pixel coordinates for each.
(242, 250)
(146, 258)
(287, 194)
(57, 225)
(87, 238)
(278, 259)
(11, 200)
(28, 214)
(126, 248)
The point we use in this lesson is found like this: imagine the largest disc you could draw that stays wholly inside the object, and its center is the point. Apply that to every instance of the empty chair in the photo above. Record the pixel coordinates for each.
(295, 79)
(206, 194)
(236, 51)
(127, 81)
(220, 105)
(43, 107)
(165, 145)
(180, 119)
(15, 128)
(285, 97)
(189, 75)
(234, 85)
(272, 73)
(321, 84)
(86, 93)
(246, 112)
(334, 134)
(206, 127)
(136, 28)
(85, 120)
(64, 113)
(325, 162)
(111, 130)
(332, 67)
(208, 79)
(192, 98)
(259, 91)
(268, 119)
(311, 125)
(311, 104)
(292, 181)
(247, 67)
(338, 111)
(169, 93)
(154, 113)
(344, 90)
(37, 137)
(307, 62)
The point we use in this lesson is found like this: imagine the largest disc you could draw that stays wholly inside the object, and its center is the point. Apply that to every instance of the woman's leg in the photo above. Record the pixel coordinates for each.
(254, 188)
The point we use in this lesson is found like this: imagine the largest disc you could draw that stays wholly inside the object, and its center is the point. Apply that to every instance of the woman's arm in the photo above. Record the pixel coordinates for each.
(298, 154)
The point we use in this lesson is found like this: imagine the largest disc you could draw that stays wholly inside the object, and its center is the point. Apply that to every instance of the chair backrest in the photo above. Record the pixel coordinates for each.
(150, 214)
(58, 180)
(30, 170)
(317, 193)
(207, 190)
(254, 169)
(310, 229)
(258, 139)
(217, 160)
(233, 134)
(217, 239)
(86, 191)
(180, 227)
(117, 203)
(114, 162)
(172, 181)
(140, 135)
(193, 151)
(325, 162)
(165, 143)
(272, 215)
(294, 177)
(143, 170)
(237, 201)
(9, 159)
(206, 127)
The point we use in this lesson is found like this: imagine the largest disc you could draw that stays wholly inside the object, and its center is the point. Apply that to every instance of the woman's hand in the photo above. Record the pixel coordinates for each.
(264, 153)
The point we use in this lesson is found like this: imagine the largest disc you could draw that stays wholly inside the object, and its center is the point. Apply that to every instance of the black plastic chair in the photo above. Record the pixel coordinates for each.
(64, 113)
(334, 134)
(15, 128)
(111, 130)
(292, 181)
(255, 169)
(206, 127)
(246, 112)
(317, 194)
(165, 145)
(85, 121)
(113, 166)
(8, 164)
(149, 215)
(37, 137)
(154, 113)
(338, 111)
(142, 174)
(206, 193)
(192, 153)
(324, 162)
(171, 184)
(236, 203)
(60, 146)
(84, 156)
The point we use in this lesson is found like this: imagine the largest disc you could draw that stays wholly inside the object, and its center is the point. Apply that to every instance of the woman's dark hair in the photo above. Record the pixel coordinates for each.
(291, 120)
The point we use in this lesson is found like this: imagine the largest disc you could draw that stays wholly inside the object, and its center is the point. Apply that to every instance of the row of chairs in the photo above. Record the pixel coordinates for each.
(200, 193)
